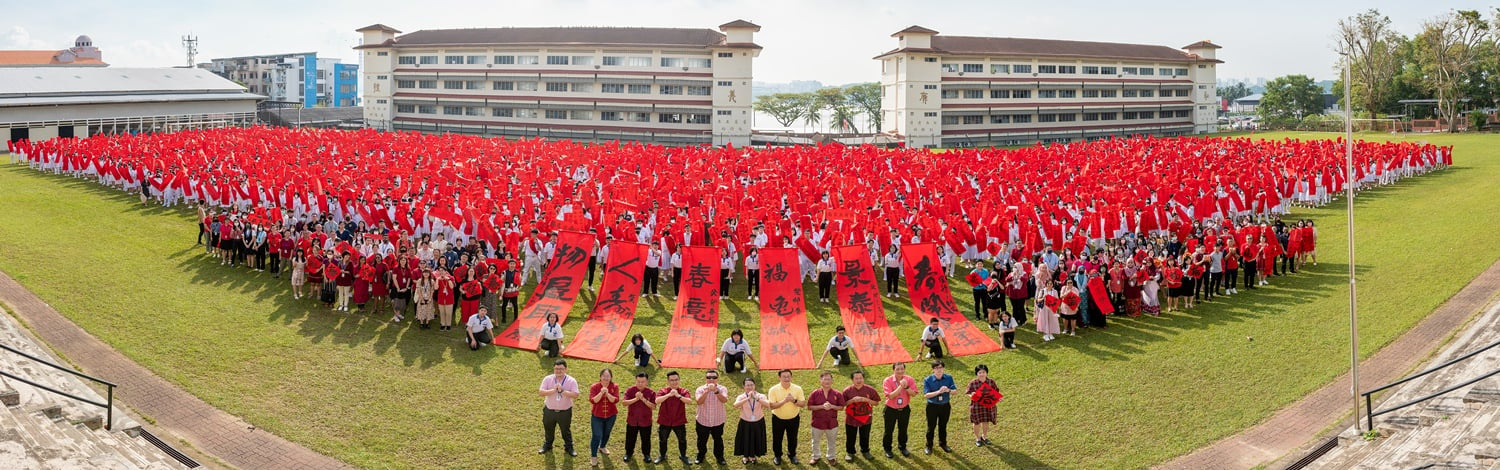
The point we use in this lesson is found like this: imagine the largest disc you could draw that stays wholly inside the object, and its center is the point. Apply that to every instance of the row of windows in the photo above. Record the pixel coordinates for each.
(1026, 94)
(555, 87)
(583, 60)
(557, 114)
(1065, 69)
(1061, 117)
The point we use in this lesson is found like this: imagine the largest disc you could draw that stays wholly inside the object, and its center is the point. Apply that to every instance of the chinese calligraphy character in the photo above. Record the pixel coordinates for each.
(698, 275)
(859, 302)
(619, 268)
(923, 276)
(775, 272)
(854, 274)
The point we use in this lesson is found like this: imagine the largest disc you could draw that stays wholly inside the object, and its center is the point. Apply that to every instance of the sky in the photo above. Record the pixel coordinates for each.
(831, 41)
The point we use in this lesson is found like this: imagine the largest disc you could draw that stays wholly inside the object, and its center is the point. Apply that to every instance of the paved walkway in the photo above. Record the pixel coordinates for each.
(1295, 427)
(174, 410)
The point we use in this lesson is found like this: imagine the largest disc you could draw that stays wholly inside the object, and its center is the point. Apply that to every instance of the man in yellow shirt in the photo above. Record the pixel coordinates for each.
(787, 401)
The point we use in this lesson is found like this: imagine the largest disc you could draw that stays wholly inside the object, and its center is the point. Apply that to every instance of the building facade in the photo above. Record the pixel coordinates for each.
(43, 103)
(671, 86)
(292, 79)
(82, 54)
(964, 91)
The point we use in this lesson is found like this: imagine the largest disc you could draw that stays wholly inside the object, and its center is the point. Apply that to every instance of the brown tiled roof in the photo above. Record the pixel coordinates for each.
(24, 58)
(557, 36)
(378, 27)
(913, 29)
(740, 24)
(1201, 45)
(985, 46)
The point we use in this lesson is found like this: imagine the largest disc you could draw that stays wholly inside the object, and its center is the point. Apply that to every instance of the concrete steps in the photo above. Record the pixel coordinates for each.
(1457, 431)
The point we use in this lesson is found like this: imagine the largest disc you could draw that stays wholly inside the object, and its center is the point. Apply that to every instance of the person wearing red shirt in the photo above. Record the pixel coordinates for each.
(1231, 266)
(273, 249)
(640, 402)
(331, 272)
(859, 401)
(899, 389)
(671, 417)
(1172, 275)
(825, 403)
(443, 296)
(361, 294)
(604, 398)
(469, 294)
(1269, 250)
(286, 244)
(1250, 256)
(380, 289)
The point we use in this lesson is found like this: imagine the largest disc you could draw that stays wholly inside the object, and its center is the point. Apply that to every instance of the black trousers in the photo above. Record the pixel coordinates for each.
(275, 263)
(937, 419)
(893, 280)
(549, 346)
(706, 432)
(553, 419)
(661, 439)
(1018, 310)
(825, 285)
(649, 281)
(676, 281)
(1213, 284)
(752, 282)
(1250, 273)
(734, 362)
(979, 296)
(480, 339)
(841, 355)
(515, 306)
(593, 263)
(895, 420)
(1288, 264)
(724, 284)
(201, 232)
(788, 428)
(1009, 338)
(644, 432)
(852, 434)
(1230, 277)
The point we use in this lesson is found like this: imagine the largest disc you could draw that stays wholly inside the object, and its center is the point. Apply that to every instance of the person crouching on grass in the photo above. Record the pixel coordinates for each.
(481, 330)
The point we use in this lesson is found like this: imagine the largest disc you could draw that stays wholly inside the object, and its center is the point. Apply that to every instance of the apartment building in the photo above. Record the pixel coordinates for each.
(298, 78)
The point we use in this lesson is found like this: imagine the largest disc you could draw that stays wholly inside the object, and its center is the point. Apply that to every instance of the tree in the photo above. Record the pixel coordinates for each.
(865, 97)
(1292, 96)
(812, 110)
(1372, 48)
(1448, 48)
(1234, 91)
(841, 111)
(785, 108)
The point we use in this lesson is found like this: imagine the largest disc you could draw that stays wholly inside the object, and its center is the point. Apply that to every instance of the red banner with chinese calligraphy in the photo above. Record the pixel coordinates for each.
(931, 298)
(614, 308)
(561, 279)
(784, 341)
(692, 341)
(860, 308)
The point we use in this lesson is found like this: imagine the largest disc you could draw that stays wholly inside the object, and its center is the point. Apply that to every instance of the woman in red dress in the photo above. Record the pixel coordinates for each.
(361, 294)
(379, 289)
(442, 295)
(469, 294)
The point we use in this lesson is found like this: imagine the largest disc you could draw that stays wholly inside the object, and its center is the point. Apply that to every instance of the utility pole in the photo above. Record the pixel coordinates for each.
(190, 42)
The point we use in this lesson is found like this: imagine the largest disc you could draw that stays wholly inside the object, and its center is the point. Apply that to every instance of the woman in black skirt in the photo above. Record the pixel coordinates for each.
(750, 436)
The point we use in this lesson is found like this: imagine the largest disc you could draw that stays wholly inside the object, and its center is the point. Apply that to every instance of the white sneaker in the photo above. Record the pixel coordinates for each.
(835, 362)
(928, 356)
(742, 370)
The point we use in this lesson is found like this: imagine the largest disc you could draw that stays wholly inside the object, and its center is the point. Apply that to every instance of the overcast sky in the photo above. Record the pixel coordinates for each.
(827, 40)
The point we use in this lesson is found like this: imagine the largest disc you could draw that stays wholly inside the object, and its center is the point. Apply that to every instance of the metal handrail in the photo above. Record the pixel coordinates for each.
(1370, 412)
(109, 405)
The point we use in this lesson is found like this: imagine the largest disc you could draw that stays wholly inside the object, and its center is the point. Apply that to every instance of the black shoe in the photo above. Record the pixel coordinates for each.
(544, 450)
(905, 453)
(657, 461)
(776, 461)
(795, 461)
(722, 462)
(867, 455)
(626, 459)
(946, 449)
(685, 461)
(889, 455)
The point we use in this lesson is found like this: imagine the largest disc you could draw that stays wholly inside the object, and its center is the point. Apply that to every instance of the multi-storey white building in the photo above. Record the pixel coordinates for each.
(299, 78)
(964, 91)
(658, 85)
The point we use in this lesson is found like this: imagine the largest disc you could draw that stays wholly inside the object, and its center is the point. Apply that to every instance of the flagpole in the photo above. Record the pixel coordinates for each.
(1349, 198)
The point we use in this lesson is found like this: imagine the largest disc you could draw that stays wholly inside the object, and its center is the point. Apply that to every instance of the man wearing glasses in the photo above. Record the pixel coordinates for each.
(710, 421)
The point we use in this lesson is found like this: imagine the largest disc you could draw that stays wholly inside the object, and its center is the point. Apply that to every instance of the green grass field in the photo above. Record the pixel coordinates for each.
(378, 395)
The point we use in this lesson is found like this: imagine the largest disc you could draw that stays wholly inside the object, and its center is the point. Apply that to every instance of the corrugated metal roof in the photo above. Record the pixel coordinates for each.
(84, 81)
(19, 101)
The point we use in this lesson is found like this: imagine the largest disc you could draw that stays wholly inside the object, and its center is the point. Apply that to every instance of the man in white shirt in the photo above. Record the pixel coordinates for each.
(653, 272)
(933, 340)
(838, 347)
(481, 332)
(676, 273)
(533, 250)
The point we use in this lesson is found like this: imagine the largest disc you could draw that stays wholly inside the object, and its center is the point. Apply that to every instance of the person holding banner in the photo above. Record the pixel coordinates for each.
(676, 273)
(983, 395)
(443, 296)
(859, 409)
(838, 347)
(653, 274)
(933, 339)
(825, 270)
(470, 291)
(640, 350)
(726, 273)
(552, 336)
(711, 398)
(735, 351)
(750, 435)
(899, 388)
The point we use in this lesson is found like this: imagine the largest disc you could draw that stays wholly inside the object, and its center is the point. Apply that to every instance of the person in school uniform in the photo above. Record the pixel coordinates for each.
(892, 265)
(552, 336)
(640, 350)
(933, 339)
(676, 273)
(726, 273)
(735, 351)
(653, 273)
(825, 270)
(752, 274)
(838, 347)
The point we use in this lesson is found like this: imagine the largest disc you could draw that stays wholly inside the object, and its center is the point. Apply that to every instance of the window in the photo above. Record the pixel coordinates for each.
(1107, 70)
(1067, 69)
(406, 83)
(1129, 93)
(1046, 93)
(612, 88)
(1202, 87)
(1090, 116)
(699, 119)
(427, 84)
(505, 60)
(453, 110)
(426, 109)
(1108, 93)
(724, 83)
(950, 68)
(581, 88)
(949, 94)
(557, 60)
(584, 60)
(1046, 69)
(453, 60)
(1164, 72)
(1046, 117)
(700, 90)
(1020, 94)
(526, 86)
(1001, 94)
(999, 68)
(1020, 68)
(1180, 72)
(724, 112)
(1148, 93)
(950, 120)
(1148, 114)
(554, 86)
(1179, 93)
(929, 87)
(473, 111)
(973, 94)
(671, 89)
(406, 60)
(1202, 66)
(640, 117)
(929, 59)
(1021, 118)
(1180, 113)
(611, 116)
(382, 77)
(1128, 71)
(526, 113)
(1090, 93)
(1000, 119)
(503, 86)
(726, 55)
(1090, 70)
(1067, 93)
(1129, 115)
(638, 89)
(382, 53)
(1068, 117)
(453, 84)
(581, 115)
(613, 60)
(974, 68)
(930, 114)
(973, 119)
(1147, 71)
(502, 112)
(557, 114)
(698, 63)
(669, 118)
(1106, 116)
(526, 60)
(474, 60)
(382, 101)
(637, 61)
(671, 62)
(406, 108)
